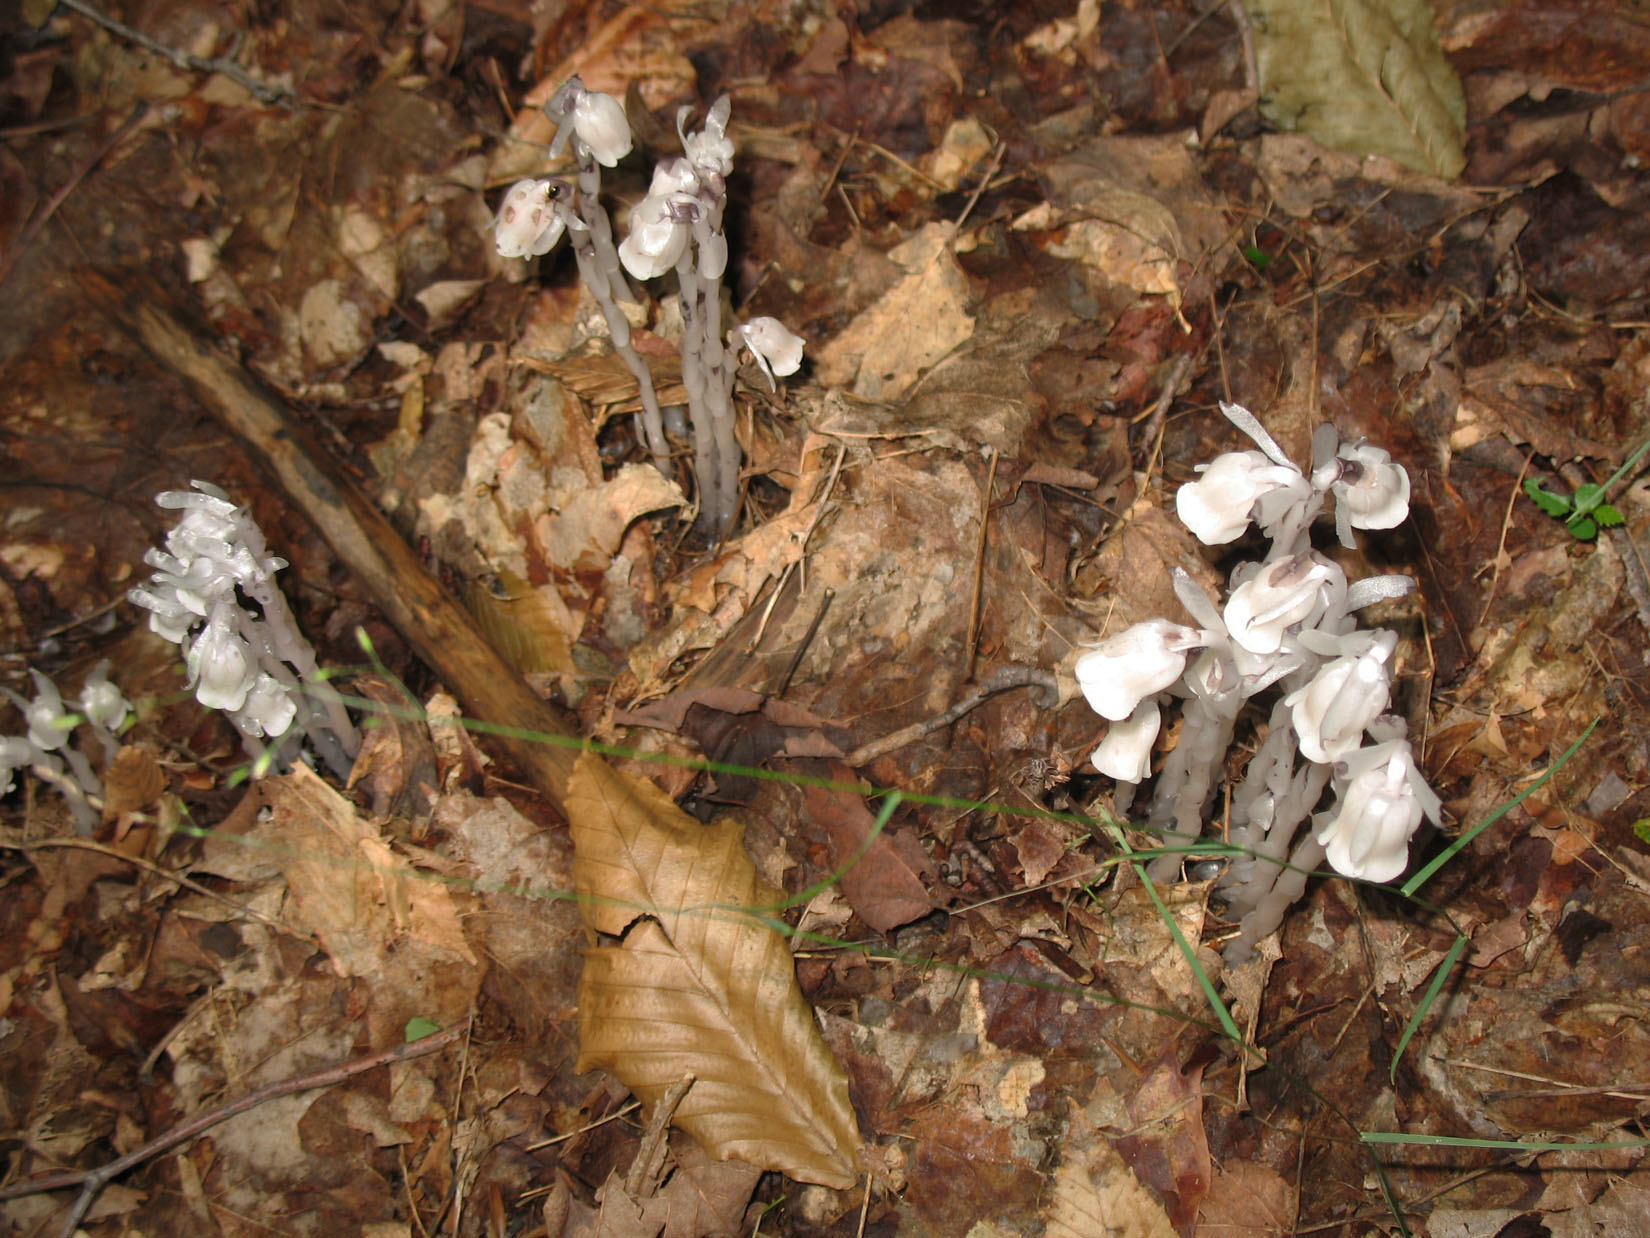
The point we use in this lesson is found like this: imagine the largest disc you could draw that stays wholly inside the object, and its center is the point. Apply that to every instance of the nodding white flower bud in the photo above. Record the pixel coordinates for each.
(1332, 711)
(1139, 662)
(15, 752)
(777, 349)
(599, 122)
(1382, 800)
(47, 720)
(220, 662)
(659, 231)
(1218, 506)
(1372, 489)
(710, 150)
(1126, 752)
(528, 221)
(1283, 593)
(269, 709)
(101, 701)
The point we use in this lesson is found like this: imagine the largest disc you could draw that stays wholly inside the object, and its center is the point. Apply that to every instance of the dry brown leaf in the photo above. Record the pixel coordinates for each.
(532, 626)
(884, 885)
(584, 535)
(349, 888)
(699, 984)
(1095, 1193)
(916, 323)
(1247, 1198)
(133, 781)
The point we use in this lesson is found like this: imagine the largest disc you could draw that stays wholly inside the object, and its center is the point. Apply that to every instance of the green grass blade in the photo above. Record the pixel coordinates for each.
(1431, 995)
(1448, 853)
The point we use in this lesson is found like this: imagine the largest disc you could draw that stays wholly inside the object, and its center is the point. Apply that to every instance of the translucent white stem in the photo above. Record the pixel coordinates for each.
(598, 260)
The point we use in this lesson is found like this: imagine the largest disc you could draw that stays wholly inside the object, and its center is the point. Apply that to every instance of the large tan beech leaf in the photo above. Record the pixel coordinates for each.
(700, 984)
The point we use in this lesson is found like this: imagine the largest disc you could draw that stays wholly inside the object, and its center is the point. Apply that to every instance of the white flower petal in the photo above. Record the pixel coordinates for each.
(657, 237)
(1126, 752)
(1218, 506)
(777, 349)
(1382, 801)
(1331, 712)
(220, 663)
(1120, 672)
(600, 123)
(528, 223)
(269, 709)
(1283, 593)
(1373, 491)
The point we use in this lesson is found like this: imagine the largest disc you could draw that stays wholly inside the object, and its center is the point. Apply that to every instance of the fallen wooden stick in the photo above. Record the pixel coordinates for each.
(439, 630)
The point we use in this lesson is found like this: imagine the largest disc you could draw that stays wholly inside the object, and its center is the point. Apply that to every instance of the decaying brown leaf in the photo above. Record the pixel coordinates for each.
(699, 983)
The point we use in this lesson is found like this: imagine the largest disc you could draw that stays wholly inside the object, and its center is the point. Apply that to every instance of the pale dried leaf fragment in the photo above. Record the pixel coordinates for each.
(358, 897)
(700, 983)
(1363, 76)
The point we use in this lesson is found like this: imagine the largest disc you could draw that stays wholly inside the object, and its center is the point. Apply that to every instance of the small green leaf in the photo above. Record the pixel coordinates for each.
(1607, 516)
(1641, 828)
(1546, 500)
(1257, 256)
(419, 1027)
(1588, 496)
(1582, 528)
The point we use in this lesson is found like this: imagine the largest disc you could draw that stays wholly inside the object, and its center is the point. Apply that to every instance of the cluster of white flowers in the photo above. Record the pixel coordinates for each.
(255, 667)
(46, 748)
(676, 227)
(1288, 621)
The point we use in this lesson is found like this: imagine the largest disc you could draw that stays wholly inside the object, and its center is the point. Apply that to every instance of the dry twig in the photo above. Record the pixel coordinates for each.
(92, 1181)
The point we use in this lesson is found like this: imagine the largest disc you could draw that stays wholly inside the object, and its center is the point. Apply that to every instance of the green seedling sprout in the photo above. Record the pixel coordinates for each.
(1585, 512)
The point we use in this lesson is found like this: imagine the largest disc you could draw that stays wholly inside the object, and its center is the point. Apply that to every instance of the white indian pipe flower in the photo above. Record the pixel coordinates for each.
(595, 121)
(599, 122)
(777, 349)
(1283, 593)
(1126, 752)
(1218, 507)
(1332, 711)
(710, 150)
(48, 722)
(15, 753)
(1139, 662)
(528, 221)
(102, 702)
(1382, 800)
(660, 227)
(168, 616)
(269, 709)
(672, 177)
(1371, 488)
(220, 663)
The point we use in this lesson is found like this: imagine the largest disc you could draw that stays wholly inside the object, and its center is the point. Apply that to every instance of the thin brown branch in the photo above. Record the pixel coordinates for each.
(148, 866)
(92, 1181)
(1006, 678)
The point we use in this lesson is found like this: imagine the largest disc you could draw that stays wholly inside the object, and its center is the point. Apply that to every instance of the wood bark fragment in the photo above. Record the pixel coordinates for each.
(439, 630)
